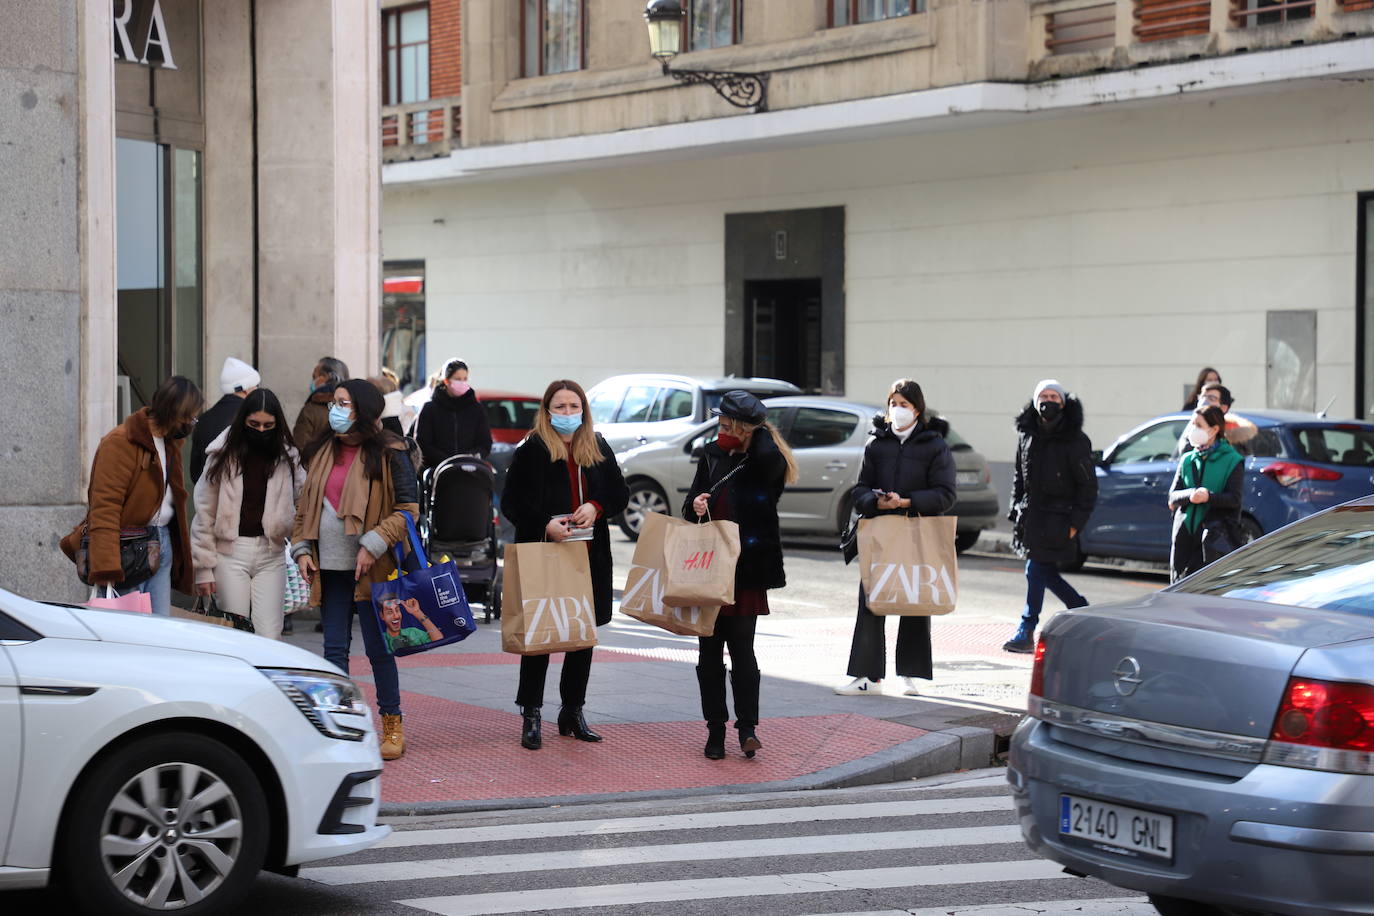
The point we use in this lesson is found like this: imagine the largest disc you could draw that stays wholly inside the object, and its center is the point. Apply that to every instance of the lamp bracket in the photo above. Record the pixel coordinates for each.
(743, 90)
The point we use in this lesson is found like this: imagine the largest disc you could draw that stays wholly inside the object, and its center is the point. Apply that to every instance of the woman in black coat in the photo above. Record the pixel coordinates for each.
(454, 421)
(907, 470)
(564, 476)
(740, 478)
(1053, 494)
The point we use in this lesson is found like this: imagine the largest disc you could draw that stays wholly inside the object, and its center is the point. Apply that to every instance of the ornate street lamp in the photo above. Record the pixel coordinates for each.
(743, 90)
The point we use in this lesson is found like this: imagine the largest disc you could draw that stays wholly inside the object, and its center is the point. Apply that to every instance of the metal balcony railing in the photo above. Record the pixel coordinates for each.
(421, 130)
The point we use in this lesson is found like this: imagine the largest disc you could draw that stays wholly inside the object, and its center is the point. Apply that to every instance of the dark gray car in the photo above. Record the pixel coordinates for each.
(1213, 744)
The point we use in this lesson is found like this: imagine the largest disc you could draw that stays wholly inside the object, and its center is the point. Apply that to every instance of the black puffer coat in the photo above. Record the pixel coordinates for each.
(920, 469)
(538, 488)
(1055, 487)
(752, 497)
(451, 426)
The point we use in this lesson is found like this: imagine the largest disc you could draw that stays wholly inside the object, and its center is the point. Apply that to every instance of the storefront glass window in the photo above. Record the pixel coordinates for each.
(403, 321)
(140, 269)
(187, 321)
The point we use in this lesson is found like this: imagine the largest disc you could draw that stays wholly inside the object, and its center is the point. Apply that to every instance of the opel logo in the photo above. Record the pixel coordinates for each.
(1126, 676)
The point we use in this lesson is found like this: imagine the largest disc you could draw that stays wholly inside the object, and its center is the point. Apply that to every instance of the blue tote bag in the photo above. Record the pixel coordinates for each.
(423, 607)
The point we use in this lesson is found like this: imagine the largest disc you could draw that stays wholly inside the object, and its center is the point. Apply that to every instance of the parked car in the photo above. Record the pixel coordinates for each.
(511, 417)
(1212, 745)
(827, 436)
(153, 764)
(1296, 464)
(631, 410)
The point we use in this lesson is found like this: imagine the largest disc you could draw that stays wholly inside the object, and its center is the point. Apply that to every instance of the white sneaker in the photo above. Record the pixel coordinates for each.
(860, 686)
(912, 688)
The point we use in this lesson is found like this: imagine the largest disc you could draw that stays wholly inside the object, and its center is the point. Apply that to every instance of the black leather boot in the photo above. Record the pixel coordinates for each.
(531, 736)
(744, 682)
(572, 722)
(715, 742)
(711, 680)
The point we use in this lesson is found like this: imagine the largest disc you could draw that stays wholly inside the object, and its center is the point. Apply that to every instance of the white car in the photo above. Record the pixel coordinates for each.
(151, 764)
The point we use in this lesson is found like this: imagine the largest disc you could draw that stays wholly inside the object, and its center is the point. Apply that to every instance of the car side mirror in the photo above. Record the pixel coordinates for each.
(697, 448)
(1098, 459)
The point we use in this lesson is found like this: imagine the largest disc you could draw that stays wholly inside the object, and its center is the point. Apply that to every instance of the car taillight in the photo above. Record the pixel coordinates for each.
(1289, 473)
(1037, 687)
(1324, 725)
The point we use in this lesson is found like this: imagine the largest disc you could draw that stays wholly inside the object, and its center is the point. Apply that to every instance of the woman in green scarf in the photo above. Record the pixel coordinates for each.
(1205, 496)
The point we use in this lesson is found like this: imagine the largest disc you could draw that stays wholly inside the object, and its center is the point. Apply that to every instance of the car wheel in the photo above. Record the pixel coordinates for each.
(494, 597)
(1177, 906)
(963, 540)
(645, 497)
(171, 822)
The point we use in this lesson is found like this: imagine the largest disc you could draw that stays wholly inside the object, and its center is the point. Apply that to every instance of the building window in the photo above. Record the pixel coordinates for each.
(849, 12)
(553, 34)
(713, 24)
(405, 35)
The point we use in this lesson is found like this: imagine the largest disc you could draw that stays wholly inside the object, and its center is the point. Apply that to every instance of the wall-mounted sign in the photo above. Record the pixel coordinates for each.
(152, 41)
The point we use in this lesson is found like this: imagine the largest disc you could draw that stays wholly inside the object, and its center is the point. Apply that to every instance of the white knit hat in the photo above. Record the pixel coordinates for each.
(1050, 384)
(238, 376)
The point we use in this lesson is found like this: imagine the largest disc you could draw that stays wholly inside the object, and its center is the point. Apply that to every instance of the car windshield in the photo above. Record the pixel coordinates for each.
(1323, 562)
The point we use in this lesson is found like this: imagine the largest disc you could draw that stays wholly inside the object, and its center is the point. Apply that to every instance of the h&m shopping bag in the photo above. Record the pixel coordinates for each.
(546, 600)
(699, 563)
(423, 607)
(642, 597)
(107, 599)
(909, 566)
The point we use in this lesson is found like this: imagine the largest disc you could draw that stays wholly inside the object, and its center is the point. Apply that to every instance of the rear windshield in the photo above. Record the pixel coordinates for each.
(1338, 443)
(511, 414)
(956, 442)
(1323, 562)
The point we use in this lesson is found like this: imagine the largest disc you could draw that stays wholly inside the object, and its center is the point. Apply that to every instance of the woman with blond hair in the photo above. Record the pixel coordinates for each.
(740, 478)
(562, 477)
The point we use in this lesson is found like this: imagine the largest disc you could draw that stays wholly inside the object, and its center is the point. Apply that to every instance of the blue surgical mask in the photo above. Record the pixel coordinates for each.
(340, 419)
(566, 423)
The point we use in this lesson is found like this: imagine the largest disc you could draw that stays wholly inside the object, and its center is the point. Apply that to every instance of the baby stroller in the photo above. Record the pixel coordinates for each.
(458, 520)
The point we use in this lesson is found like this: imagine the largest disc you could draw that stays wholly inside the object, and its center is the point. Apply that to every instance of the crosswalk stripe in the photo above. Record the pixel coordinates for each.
(1105, 906)
(715, 888)
(703, 820)
(673, 852)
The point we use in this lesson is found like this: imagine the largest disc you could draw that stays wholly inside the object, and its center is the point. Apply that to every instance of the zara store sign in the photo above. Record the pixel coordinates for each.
(151, 40)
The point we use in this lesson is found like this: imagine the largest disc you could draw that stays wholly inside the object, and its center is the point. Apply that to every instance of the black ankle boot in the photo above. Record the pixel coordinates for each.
(572, 722)
(748, 741)
(530, 736)
(715, 742)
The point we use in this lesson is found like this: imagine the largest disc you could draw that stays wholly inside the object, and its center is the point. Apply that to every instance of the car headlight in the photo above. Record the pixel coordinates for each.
(331, 703)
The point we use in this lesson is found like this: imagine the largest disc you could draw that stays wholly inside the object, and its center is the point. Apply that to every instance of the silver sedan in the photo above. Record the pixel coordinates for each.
(827, 436)
(1213, 744)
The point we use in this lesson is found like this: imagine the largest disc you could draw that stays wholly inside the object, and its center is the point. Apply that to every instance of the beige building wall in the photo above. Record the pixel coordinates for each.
(1118, 249)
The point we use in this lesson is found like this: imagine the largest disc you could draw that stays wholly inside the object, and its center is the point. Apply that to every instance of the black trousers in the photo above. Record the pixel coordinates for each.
(736, 633)
(572, 685)
(868, 651)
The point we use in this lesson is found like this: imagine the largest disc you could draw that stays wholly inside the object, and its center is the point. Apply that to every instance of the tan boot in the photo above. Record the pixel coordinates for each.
(393, 737)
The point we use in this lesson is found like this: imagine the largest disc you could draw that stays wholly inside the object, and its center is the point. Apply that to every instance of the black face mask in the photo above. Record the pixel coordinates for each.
(262, 440)
(182, 431)
(1049, 410)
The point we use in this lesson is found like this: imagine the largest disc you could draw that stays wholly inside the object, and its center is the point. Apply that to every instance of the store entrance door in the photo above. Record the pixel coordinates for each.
(783, 331)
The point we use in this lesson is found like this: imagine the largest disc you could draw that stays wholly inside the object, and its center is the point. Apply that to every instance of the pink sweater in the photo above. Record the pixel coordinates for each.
(333, 487)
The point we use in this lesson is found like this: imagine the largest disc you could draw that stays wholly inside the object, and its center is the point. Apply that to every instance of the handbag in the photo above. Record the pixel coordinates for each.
(297, 594)
(207, 610)
(422, 608)
(140, 551)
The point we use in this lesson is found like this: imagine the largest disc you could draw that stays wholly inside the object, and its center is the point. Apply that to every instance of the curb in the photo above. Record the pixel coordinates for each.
(944, 751)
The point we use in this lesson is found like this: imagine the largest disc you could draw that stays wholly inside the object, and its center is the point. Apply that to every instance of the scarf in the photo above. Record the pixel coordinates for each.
(1211, 470)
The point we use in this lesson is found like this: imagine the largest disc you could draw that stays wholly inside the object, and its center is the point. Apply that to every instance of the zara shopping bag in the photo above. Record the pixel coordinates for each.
(909, 566)
(642, 597)
(699, 563)
(423, 607)
(546, 602)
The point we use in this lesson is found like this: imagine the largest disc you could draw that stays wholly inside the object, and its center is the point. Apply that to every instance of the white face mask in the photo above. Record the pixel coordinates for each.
(901, 417)
(1199, 436)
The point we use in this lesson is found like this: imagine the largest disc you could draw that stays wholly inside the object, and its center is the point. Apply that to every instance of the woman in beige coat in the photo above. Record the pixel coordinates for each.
(245, 508)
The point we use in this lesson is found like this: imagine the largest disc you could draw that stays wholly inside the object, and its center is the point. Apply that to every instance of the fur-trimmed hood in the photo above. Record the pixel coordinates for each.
(1070, 420)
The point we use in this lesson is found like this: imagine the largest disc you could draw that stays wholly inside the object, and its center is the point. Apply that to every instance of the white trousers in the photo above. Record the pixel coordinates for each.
(251, 582)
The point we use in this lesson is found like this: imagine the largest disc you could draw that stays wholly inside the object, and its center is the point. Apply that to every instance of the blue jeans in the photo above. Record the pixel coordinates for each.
(159, 587)
(1040, 576)
(336, 614)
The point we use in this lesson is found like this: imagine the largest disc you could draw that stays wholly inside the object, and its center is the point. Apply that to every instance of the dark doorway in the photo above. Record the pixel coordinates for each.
(783, 331)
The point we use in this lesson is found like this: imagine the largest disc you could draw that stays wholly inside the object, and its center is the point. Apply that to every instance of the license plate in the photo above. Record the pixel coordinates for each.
(1130, 830)
(967, 478)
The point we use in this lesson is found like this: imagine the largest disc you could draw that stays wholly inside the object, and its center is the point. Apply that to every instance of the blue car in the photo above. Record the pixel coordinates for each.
(1295, 464)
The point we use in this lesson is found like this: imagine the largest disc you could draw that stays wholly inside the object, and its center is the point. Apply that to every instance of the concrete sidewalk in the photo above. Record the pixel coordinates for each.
(463, 728)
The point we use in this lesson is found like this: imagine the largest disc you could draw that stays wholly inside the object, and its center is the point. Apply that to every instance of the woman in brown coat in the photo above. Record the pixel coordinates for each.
(137, 482)
(359, 487)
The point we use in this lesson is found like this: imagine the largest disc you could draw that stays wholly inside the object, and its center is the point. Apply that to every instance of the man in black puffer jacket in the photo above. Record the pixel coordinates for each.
(1053, 495)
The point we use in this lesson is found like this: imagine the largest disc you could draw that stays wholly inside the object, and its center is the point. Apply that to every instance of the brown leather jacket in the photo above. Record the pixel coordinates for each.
(125, 492)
